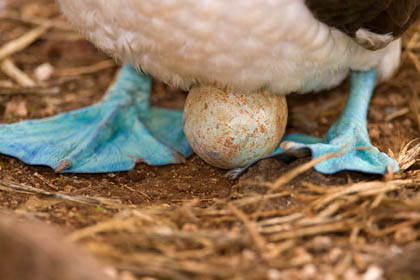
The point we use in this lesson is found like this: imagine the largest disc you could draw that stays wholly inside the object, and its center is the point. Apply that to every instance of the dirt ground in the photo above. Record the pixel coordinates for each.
(278, 221)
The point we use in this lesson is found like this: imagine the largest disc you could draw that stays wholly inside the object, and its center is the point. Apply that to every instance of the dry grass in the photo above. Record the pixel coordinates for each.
(227, 240)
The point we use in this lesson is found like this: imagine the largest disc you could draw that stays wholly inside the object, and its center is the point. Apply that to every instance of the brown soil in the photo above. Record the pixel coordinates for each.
(178, 196)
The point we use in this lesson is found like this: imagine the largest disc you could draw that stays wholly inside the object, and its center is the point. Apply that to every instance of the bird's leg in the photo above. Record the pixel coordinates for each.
(347, 138)
(109, 136)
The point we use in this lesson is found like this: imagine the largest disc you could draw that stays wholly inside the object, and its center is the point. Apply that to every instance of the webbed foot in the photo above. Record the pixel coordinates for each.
(347, 138)
(109, 136)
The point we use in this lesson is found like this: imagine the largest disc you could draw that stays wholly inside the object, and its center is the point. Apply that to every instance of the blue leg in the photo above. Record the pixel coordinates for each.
(349, 134)
(109, 136)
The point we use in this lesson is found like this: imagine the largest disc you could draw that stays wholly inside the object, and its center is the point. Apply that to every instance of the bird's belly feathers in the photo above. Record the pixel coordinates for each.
(244, 44)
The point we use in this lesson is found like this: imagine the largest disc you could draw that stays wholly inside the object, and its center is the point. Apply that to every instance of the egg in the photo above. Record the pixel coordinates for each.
(229, 129)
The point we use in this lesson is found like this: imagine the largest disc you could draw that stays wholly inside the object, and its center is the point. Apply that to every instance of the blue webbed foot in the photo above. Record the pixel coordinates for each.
(109, 136)
(348, 137)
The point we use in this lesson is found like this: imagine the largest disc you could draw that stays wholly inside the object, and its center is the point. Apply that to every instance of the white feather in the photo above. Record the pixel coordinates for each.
(242, 44)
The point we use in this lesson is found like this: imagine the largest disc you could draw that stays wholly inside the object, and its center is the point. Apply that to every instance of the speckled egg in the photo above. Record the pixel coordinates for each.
(229, 129)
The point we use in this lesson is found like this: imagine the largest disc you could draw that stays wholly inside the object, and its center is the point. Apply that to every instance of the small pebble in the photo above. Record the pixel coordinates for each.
(183, 187)
(136, 175)
(373, 273)
(273, 274)
(249, 254)
(335, 254)
(350, 274)
(190, 227)
(16, 108)
(309, 271)
(330, 276)
(44, 72)
(68, 188)
(111, 272)
(374, 133)
(321, 243)
(407, 123)
(302, 256)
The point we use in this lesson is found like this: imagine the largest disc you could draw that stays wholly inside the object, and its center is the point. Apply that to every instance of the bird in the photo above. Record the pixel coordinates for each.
(247, 46)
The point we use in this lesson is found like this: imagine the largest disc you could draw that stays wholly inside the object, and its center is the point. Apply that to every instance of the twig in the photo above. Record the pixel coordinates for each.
(364, 188)
(259, 240)
(302, 168)
(414, 58)
(409, 156)
(11, 70)
(46, 181)
(38, 90)
(391, 229)
(77, 71)
(105, 202)
(54, 23)
(110, 225)
(254, 199)
(281, 220)
(415, 103)
(397, 114)
(22, 42)
(290, 175)
(296, 233)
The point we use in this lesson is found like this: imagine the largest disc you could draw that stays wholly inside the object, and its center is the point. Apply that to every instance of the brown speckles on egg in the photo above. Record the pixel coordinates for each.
(235, 128)
(228, 141)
